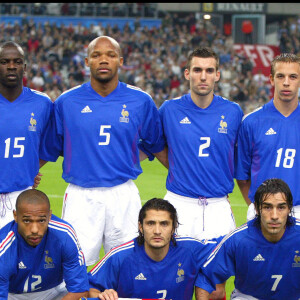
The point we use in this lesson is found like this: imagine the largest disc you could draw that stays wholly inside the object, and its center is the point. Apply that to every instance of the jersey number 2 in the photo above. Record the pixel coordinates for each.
(203, 146)
(37, 281)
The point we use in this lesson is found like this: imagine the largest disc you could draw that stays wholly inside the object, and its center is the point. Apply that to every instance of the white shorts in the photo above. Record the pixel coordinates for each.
(202, 219)
(103, 215)
(251, 212)
(55, 293)
(7, 205)
(237, 295)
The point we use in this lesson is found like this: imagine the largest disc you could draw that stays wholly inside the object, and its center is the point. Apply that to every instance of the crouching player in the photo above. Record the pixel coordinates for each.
(157, 264)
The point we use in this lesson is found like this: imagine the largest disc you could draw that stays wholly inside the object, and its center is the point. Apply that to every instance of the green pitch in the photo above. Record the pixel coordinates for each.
(151, 183)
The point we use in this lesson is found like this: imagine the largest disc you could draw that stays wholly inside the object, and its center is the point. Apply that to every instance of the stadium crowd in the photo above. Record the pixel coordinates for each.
(154, 58)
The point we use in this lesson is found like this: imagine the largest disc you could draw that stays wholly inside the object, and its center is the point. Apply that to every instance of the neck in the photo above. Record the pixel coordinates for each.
(11, 94)
(104, 88)
(157, 254)
(202, 101)
(285, 108)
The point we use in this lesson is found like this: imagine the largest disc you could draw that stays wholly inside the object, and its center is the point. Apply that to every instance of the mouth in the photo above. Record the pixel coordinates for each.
(11, 76)
(34, 240)
(103, 70)
(286, 92)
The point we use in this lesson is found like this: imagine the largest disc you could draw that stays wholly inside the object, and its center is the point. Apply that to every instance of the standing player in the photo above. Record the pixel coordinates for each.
(40, 256)
(156, 264)
(24, 116)
(269, 138)
(201, 130)
(262, 254)
(97, 128)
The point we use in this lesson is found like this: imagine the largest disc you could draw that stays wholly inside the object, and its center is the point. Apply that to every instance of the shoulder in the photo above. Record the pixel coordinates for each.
(252, 116)
(234, 106)
(192, 243)
(77, 90)
(60, 227)
(117, 254)
(7, 239)
(135, 91)
(172, 103)
(40, 96)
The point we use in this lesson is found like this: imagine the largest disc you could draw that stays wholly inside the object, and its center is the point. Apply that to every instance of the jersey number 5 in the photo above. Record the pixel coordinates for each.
(104, 134)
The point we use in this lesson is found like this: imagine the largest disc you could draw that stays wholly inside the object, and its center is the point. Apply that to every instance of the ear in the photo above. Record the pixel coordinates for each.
(218, 75)
(50, 215)
(187, 74)
(140, 228)
(86, 60)
(15, 216)
(271, 79)
(25, 68)
(121, 61)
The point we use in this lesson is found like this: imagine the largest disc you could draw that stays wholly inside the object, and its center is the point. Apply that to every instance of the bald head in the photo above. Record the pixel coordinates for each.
(99, 39)
(11, 44)
(32, 197)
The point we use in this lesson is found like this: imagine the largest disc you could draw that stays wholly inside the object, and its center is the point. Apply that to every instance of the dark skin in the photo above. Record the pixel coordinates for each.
(12, 68)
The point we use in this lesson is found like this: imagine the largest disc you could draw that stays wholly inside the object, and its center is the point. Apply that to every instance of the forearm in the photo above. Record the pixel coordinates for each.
(42, 162)
(162, 156)
(93, 293)
(75, 296)
(201, 294)
(244, 186)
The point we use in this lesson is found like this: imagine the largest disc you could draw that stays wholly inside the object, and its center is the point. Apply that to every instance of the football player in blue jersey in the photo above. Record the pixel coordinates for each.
(40, 256)
(201, 131)
(24, 116)
(262, 254)
(97, 128)
(157, 264)
(269, 139)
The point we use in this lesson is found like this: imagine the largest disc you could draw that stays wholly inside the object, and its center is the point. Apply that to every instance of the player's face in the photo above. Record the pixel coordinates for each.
(157, 228)
(32, 221)
(202, 75)
(12, 67)
(274, 214)
(104, 61)
(286, 81)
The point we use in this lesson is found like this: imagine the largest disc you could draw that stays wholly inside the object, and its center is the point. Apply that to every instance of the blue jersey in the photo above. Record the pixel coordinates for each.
(99, 136)
(269, 147)
(264, 270)
(133, 274)
(201, 146)
(34, 269)
(22, 125)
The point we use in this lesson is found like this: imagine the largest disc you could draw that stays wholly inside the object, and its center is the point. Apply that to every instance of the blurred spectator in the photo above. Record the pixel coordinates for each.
(154, 58)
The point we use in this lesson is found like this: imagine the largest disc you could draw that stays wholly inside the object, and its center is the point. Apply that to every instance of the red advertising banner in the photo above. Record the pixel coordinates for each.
(260, 55)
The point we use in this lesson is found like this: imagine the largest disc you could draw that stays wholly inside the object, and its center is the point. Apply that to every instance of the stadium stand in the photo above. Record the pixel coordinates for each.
(154, 56)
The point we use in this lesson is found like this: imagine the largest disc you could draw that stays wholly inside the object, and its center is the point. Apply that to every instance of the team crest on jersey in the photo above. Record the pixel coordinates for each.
(125, 115)
(223, 126)
(180, 273)
(49, 262)
(32, 122)
(296, 263)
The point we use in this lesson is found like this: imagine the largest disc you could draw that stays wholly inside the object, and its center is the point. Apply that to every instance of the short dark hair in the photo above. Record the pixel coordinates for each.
(270, 187)
(158, 204)
(204, 52)
(284, 57)
(32, 196)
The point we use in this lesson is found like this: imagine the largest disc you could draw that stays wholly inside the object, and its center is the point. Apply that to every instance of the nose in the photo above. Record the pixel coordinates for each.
(34, 228)
(274, 213)
(286, 81)
(203, 76)
(157, 229)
